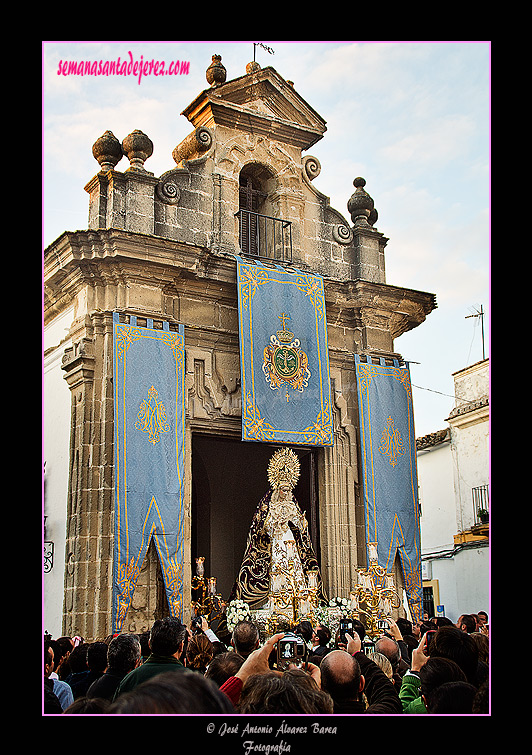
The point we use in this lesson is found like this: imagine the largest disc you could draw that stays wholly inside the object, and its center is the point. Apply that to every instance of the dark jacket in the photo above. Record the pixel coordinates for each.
(106, 686)
(153, 665)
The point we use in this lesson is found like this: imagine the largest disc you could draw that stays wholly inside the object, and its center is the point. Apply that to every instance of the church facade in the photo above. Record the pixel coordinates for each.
(162, 249)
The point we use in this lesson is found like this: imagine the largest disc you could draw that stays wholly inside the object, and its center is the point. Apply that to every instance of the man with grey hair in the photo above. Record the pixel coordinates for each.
(345, 675)
(389, 648)
(123, 655)
(245, 638)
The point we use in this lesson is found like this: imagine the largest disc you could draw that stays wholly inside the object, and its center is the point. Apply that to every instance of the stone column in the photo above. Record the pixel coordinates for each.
(89, 542)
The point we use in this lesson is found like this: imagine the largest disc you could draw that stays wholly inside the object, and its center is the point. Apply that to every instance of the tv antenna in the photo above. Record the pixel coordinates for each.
(479, 313)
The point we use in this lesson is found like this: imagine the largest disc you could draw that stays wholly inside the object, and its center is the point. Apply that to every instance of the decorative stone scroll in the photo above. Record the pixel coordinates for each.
(194, 145)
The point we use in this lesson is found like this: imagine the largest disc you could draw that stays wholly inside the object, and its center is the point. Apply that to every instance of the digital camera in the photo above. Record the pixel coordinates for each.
(291, 650)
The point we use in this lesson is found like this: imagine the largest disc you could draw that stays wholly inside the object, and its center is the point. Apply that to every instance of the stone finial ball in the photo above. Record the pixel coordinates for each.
(107, 150)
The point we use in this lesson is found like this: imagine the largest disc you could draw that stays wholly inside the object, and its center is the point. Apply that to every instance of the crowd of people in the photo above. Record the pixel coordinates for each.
(433, 666)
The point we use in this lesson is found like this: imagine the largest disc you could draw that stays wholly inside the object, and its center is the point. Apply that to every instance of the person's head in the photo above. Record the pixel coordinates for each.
(483, 618)
(97, 656)
(388, 647)
(450, 642)
(321, 635)
(483, 645)
(481, 703)
(124, 653)
(404, 625)
(88, 705)
(173, 692)
(78, 658)
(60, 651)
(437, 671)
(304, 629)
(453, 698)
(48, 659)
(340, 676)
(245, 638)
(199, 652)
(382, 662)
(293, 691)
(167, 637)
(223, 666)
(443, 621)
(467, 623)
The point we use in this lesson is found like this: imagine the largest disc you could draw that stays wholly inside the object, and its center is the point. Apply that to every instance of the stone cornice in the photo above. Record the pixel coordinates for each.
(403, 309)
(113, 256)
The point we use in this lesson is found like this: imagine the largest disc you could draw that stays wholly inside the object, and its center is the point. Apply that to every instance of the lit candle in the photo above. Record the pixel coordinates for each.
(199, 566)
(372, 549)
(390, 583)
(290, 549)
(312, 579)
(212, 586)
(354, 601)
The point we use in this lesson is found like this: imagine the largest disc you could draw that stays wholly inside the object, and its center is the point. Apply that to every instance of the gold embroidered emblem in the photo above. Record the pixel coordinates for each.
(391, 442)
(285, 363)
(152, 418)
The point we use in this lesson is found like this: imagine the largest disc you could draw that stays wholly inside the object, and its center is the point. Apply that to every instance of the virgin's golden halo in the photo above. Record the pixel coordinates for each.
(283, 468)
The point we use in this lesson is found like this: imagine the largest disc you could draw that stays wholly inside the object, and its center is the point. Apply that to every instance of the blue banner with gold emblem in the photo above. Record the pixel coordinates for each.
(284, 356)
(389, 470)
(149, 458)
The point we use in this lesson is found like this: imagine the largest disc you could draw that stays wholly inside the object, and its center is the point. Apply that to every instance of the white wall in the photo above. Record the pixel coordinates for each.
(436, 495)
(56, 441)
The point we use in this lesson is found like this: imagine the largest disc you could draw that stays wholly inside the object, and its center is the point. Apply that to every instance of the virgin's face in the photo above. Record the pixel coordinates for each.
(284, 493)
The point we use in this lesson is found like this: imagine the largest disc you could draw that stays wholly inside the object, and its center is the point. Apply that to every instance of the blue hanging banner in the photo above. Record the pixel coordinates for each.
(149, 441)
(389, 471)
(284, 356)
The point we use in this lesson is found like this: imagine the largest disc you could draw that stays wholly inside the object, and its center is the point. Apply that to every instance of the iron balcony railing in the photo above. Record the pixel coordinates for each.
(264, 236)
(481, 504)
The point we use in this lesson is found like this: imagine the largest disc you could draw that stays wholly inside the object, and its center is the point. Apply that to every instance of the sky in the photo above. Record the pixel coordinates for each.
(412, 118)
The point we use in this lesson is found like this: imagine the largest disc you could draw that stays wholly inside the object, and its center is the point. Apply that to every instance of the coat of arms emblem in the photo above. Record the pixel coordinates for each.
(285, 363)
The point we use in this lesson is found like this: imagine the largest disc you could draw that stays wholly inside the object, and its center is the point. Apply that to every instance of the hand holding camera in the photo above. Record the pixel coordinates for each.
(291, 651)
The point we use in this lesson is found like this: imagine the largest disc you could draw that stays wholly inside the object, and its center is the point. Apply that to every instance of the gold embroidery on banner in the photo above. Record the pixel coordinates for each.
(152, 417)
(285, 363)
(391, 442)
(128, 575)
(125, 335)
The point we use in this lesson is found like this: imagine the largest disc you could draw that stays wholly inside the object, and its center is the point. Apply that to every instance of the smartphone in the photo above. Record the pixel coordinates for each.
(368, 647)
(429, 636)
(346, 625)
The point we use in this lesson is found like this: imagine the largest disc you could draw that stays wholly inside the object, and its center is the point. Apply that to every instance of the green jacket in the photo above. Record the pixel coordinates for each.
(153, 665)
(410, 694)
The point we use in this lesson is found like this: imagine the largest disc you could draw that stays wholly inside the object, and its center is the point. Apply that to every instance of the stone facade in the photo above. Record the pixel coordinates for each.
(163, 248)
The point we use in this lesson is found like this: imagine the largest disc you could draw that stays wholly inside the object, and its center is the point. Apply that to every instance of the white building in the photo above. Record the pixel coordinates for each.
(453, 472)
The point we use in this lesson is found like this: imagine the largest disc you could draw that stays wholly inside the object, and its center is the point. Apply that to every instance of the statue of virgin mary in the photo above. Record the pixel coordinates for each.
(278, 532)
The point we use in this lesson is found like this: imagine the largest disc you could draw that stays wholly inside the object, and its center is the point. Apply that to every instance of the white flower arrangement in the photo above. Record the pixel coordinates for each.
(237, 610)
(341, 604)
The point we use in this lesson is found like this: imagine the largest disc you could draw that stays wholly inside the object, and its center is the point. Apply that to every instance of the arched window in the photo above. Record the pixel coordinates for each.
(261, 232)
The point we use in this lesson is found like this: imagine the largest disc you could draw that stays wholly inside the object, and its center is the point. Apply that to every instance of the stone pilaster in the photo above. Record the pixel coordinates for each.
(88, 576)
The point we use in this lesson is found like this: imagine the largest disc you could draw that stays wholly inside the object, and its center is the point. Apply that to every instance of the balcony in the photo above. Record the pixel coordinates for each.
(265, 237)
(481, 505)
